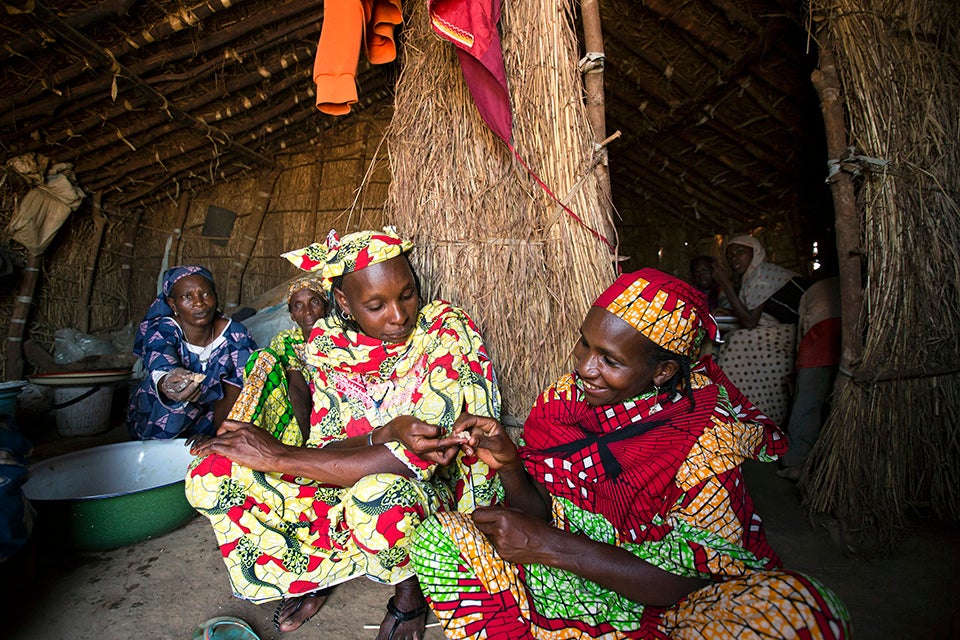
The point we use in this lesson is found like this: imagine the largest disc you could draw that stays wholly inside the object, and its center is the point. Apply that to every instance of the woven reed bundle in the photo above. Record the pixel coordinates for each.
(890, 447)
(488, 238)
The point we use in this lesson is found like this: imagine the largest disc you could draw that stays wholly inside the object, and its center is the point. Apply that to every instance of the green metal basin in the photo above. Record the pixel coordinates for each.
(111, 496)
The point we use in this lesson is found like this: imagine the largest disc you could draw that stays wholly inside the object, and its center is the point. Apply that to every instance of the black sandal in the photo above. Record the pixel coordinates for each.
(399, 617)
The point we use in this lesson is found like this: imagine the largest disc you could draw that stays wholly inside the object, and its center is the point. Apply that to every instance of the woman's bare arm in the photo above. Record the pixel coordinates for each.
(252, 447)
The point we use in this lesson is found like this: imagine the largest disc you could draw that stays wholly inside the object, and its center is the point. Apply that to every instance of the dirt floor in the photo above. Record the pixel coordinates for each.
(164, 588)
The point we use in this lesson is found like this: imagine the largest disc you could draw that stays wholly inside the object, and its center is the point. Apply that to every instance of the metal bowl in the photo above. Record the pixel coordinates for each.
(111, 496)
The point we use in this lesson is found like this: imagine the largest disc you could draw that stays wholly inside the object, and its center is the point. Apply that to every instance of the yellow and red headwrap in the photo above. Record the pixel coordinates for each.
(335, 256)
(306, 282)
(665, 309)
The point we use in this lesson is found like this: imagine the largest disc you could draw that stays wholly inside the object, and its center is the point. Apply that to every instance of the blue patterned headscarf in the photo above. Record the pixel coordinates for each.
(160, 308)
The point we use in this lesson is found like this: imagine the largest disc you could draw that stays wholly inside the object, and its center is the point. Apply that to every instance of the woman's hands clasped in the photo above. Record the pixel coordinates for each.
(475, 435)
(423, 439)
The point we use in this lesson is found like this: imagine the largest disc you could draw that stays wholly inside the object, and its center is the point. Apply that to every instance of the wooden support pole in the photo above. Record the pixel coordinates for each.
(231, 296)
(593, 87)
(99, 224)
(18, 319)
(129, 250)
(183, 210)
(827, 84)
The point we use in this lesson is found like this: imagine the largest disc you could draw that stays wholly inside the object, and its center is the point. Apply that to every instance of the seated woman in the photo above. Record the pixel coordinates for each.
(390, 376)
(759, 357)
(625, 511)
(193, 357)
(275, 394)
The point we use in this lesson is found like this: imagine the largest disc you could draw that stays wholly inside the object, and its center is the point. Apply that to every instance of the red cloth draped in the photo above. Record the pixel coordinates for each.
(471, 25)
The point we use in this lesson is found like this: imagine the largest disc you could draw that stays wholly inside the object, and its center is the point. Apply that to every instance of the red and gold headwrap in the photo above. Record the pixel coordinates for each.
(335, 256)
(665, 309)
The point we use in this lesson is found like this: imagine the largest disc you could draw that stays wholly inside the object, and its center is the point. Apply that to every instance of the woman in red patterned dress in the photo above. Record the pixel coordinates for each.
(625, 513)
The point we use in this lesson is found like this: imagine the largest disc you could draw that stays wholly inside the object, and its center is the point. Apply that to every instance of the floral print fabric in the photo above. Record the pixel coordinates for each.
(264, 399)
(281, 535)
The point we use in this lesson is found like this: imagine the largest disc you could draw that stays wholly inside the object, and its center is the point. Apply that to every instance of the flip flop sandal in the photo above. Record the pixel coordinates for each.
(300, 600)
(224, 628)
(399, 617)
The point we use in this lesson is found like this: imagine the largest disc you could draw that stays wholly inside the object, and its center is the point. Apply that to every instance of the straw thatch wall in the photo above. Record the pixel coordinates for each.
(488, 238)
(313, 190)
(891, 447)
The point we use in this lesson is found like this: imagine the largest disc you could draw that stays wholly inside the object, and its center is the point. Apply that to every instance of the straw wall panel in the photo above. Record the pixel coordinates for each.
(891, 444)
(488, 238)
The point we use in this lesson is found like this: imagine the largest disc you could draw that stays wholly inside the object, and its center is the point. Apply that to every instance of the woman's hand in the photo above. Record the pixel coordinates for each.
(244, 443)
(523, 539)
(181, 385)
(486, 438)
(721, 275)
(517, 537)
(423, 439)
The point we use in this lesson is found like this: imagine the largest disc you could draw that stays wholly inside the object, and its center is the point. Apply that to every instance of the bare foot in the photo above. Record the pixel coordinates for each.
(293, 612)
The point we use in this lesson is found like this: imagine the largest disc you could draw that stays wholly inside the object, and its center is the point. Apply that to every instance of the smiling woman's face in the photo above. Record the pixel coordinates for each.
(613, 359)
(382, 299)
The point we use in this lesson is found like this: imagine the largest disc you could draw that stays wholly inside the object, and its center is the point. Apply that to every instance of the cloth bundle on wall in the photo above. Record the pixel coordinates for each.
(46, 206)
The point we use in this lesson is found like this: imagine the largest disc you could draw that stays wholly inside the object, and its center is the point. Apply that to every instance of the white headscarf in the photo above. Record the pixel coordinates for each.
(762, 279)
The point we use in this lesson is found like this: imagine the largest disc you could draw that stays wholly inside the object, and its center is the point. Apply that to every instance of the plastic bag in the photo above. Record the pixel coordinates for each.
(70, 345)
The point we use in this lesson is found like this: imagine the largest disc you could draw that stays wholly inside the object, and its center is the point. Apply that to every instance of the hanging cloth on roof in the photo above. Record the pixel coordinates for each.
(471, 25)
(348, 25)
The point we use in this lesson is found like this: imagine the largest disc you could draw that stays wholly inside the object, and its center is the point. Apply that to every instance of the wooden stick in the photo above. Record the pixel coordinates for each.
(231, 297)
(18, 319)
(126, 266)
(593, 86)
(827, 84)
(99, 223)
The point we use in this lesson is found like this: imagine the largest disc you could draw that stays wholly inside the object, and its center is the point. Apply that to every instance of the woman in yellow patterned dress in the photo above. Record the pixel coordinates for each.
(625, 513)
(391, 377)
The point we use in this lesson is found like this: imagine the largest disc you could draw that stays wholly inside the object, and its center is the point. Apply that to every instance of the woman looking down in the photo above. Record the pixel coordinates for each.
(625, 513)
(193, 357)
(391, 377)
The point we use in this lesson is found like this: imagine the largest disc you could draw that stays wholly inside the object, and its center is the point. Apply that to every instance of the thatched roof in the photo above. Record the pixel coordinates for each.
(149, 98)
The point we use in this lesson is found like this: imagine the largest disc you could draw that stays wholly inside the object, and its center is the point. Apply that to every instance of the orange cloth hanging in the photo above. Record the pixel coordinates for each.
(346, 25)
